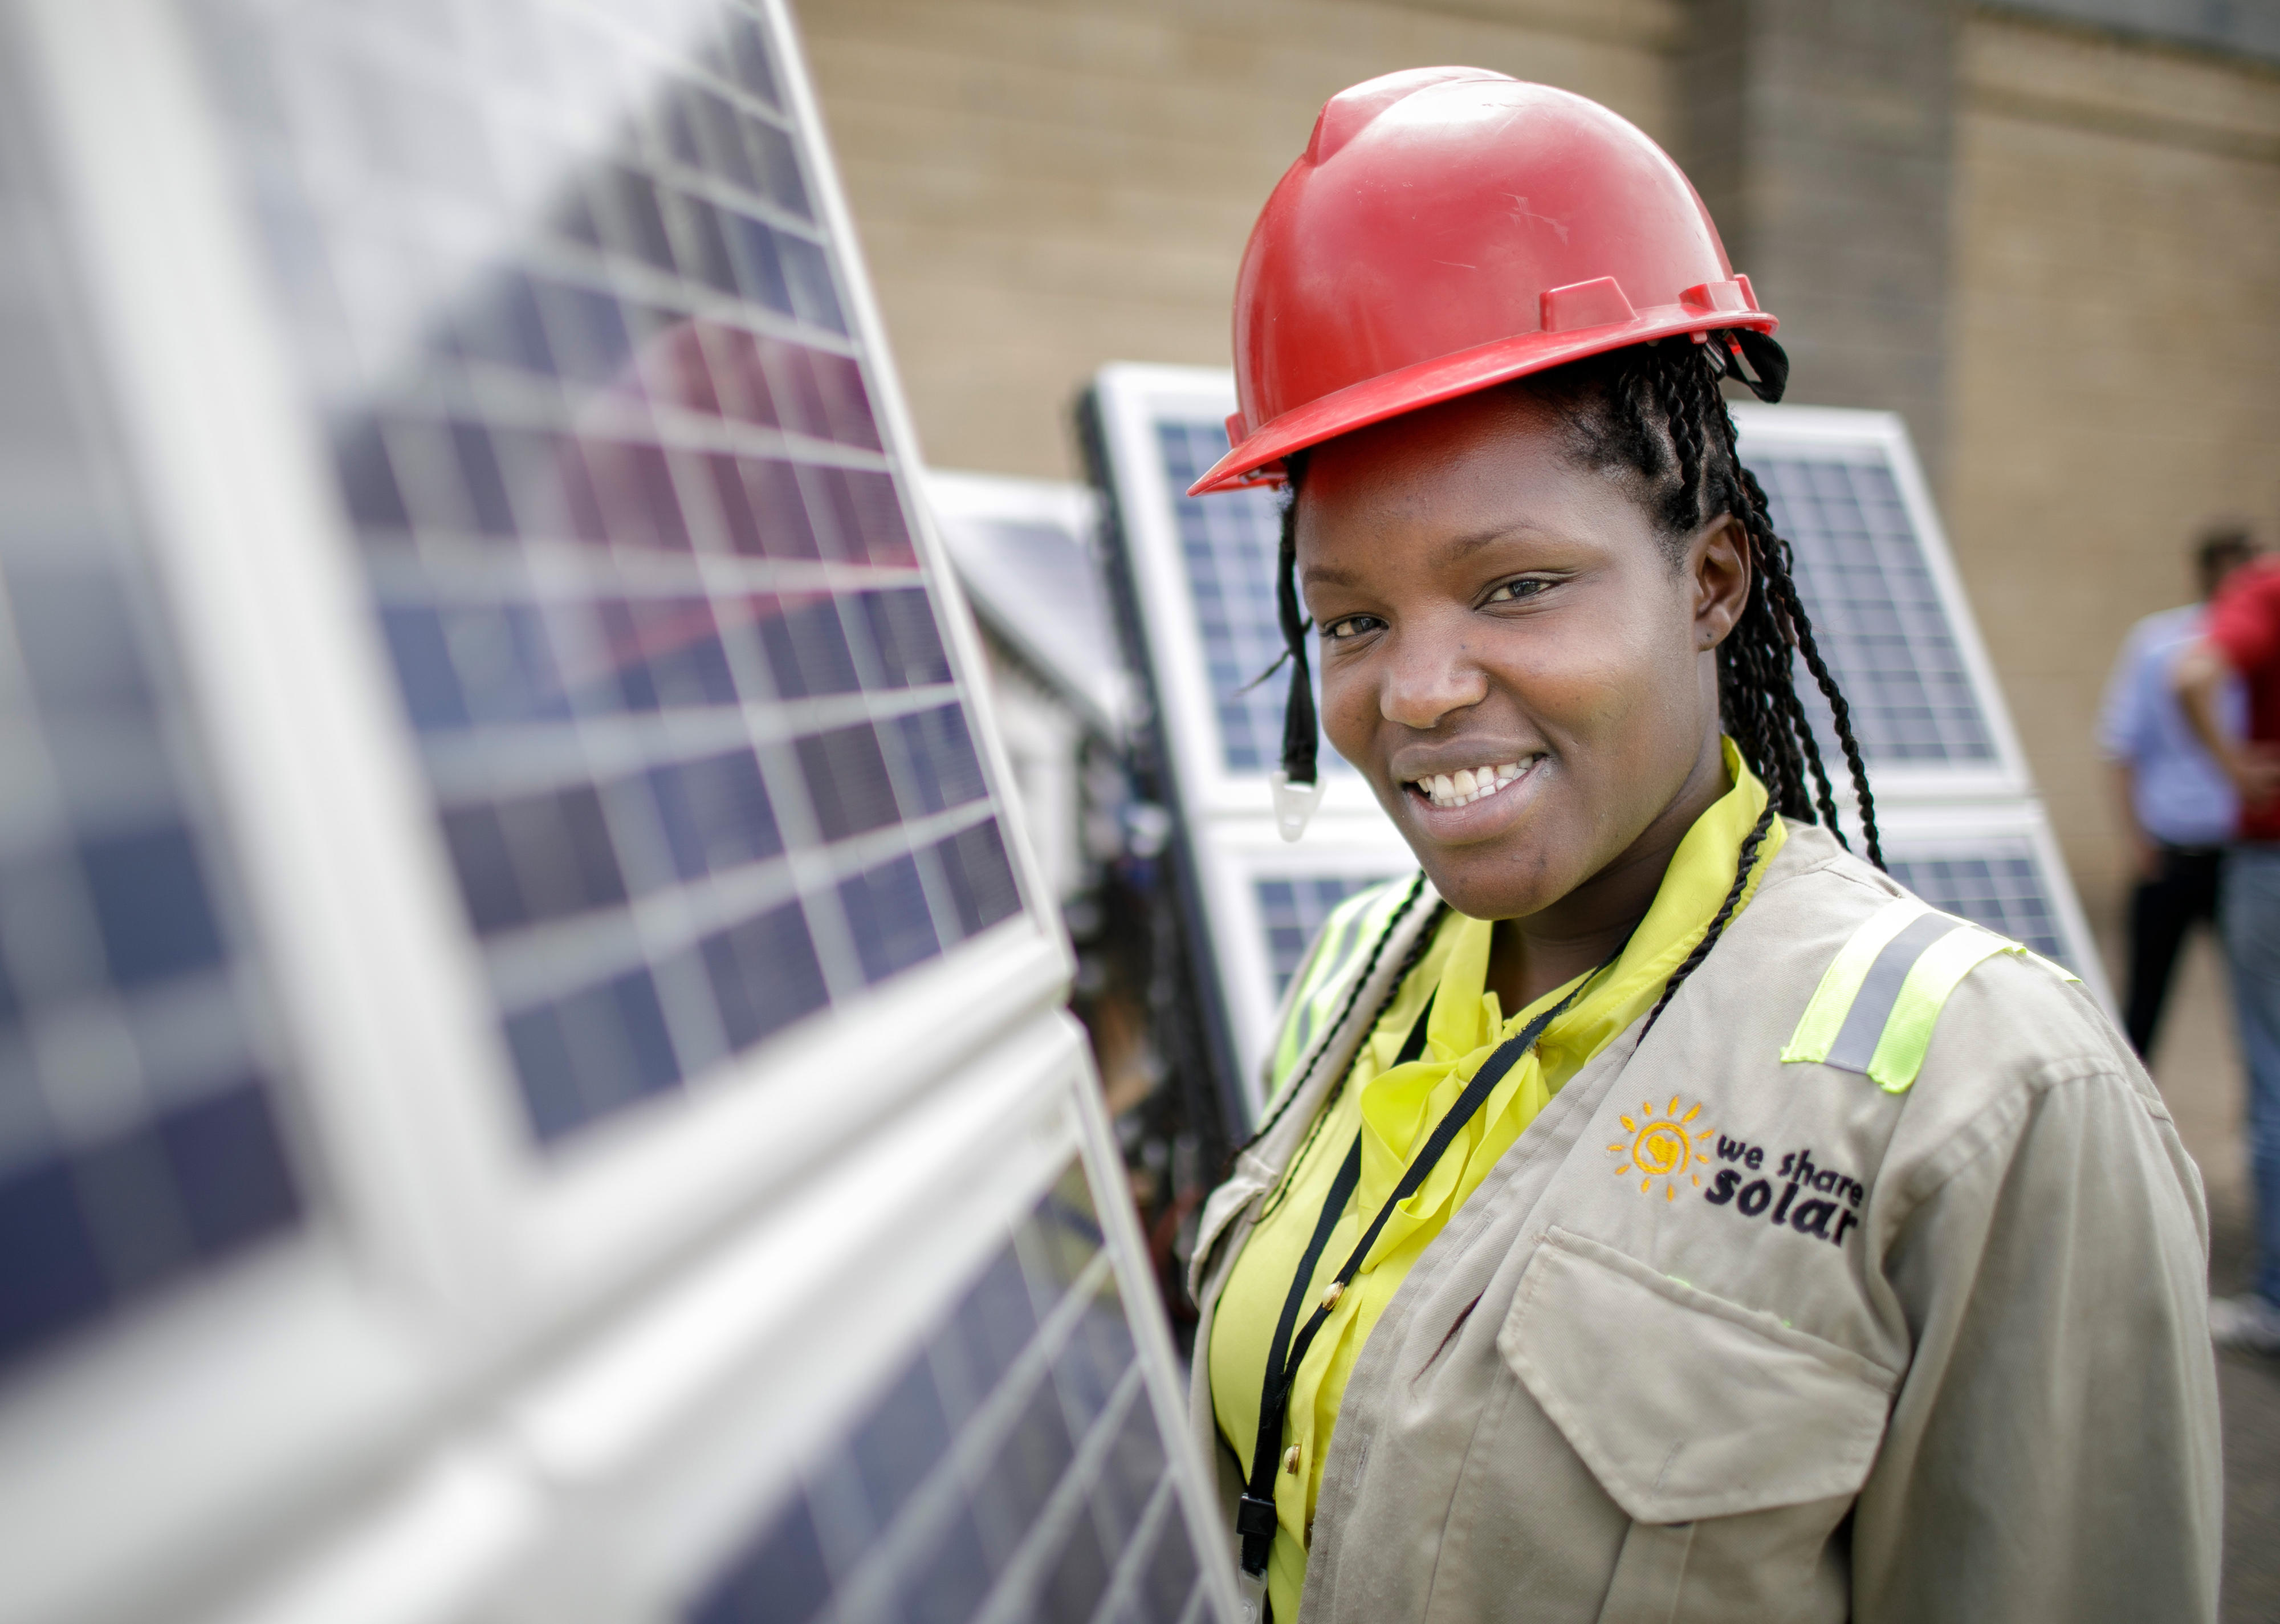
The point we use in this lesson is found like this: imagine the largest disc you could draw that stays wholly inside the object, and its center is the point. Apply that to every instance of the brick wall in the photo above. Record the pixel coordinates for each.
(1043, 185)
(2113, 370)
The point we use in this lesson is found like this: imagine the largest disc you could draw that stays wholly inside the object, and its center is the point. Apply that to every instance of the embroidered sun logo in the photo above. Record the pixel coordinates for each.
(1664, 1145)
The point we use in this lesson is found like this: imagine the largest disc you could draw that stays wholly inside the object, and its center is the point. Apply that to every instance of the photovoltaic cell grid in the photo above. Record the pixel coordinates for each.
(559, 295)
(1228, 544)
(2000, 886)
(1876, 610)
(1014, 1469)
(1292, 910)
(139, 1140)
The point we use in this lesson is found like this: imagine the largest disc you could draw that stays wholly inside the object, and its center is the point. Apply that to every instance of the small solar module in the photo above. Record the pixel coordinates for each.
(1871, 562)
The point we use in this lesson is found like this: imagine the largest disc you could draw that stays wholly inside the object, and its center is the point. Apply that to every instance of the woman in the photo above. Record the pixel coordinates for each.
(1670, 1217)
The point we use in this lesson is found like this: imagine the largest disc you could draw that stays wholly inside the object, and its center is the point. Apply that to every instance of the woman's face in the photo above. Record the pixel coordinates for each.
(1502, 624)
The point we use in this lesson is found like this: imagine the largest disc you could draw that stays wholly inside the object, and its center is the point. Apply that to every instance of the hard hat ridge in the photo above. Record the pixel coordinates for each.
(1450, 228)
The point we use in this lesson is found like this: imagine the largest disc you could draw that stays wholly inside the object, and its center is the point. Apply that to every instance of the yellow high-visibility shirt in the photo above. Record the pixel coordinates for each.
(1395, 1112)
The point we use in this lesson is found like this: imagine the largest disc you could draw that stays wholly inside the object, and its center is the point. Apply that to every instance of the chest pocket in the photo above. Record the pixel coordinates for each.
(1690, 1410)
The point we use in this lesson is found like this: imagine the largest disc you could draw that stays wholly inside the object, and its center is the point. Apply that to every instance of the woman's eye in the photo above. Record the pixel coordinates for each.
(1349, 625)
(1513, 589)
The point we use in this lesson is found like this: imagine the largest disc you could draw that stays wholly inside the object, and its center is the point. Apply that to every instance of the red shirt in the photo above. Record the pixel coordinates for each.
(2244, 623)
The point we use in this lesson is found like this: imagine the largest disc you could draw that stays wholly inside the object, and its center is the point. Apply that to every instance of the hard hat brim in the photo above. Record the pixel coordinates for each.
(1256, 460)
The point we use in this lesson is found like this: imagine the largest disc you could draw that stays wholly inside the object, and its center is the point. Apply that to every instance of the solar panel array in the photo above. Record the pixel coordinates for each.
(142, 1131)
(1889, 615)
(507, 363)
(1013, 1467)
(557, 285)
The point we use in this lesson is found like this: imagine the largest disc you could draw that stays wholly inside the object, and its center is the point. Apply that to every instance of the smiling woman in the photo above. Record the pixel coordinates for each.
(1898, 1226)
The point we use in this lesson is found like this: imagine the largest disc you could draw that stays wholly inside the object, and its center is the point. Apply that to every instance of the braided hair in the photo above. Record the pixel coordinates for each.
(1652, 415)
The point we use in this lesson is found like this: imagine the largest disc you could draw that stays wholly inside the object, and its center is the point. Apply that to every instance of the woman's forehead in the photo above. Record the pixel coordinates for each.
(1439, 486)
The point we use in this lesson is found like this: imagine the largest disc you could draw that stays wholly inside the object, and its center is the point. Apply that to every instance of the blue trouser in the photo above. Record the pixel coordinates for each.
(2248, 915)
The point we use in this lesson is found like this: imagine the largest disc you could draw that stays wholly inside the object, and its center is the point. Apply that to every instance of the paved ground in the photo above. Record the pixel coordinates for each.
(2197, 1066)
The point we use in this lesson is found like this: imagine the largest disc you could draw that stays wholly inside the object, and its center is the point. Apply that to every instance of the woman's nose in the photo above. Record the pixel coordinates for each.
(1428, 681)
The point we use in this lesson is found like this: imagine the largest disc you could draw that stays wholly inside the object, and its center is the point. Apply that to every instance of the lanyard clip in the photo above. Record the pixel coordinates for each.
(1254, 1520)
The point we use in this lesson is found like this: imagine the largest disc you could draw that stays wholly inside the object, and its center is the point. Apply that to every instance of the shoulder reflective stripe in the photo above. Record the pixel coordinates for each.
(1900, 1053)
(1824, 1017)
(1880, 989)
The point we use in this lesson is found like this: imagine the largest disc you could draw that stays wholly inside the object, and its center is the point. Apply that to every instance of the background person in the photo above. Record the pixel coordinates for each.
(2176, 802)
(2243, 639)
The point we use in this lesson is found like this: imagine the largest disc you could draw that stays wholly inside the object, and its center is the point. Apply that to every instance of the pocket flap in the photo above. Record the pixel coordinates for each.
(1683, 1404)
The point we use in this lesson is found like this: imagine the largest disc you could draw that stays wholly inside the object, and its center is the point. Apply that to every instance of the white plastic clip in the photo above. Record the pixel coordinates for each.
(1294, 803)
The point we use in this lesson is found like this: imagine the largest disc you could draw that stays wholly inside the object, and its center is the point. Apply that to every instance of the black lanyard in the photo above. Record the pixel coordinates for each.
(1254, 1512)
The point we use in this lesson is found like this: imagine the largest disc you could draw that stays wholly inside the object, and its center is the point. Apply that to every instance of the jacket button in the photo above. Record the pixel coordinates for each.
(1291, 1460)
(1330, 1297)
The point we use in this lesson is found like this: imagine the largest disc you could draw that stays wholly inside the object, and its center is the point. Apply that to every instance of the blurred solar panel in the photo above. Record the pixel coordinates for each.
(142, 1138)
(1012, 1467)
(515, 353)
(558, 286)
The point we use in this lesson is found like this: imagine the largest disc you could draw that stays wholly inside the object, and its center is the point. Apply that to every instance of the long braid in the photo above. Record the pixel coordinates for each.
(1301, 733)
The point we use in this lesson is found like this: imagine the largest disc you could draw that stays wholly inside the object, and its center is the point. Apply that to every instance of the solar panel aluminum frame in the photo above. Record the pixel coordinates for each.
(441, 1246)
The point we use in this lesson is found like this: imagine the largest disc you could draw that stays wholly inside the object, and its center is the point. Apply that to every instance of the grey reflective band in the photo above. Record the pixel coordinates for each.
(1880, 992)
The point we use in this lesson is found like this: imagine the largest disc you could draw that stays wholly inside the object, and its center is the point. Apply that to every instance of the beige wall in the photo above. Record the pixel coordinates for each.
(2113, 363)
(1043, 185)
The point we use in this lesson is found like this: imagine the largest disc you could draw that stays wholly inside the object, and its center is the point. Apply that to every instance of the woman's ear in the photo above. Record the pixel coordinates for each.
(1718, 573)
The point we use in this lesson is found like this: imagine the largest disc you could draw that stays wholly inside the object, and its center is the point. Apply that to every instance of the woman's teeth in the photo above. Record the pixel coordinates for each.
(1464, 788)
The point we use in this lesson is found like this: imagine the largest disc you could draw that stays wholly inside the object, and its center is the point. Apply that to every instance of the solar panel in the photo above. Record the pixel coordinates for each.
(1889, 612)
(1871, 563)
(557, 282)
(537, 582)
(1013, 1465)
(143, 1140)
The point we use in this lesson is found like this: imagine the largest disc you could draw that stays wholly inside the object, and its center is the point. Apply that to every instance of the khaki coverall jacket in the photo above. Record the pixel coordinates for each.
(1960, 1371)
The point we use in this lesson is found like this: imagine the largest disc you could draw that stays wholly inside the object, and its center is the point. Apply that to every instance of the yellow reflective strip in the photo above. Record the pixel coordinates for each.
(1840, 983)
(1907, 1035)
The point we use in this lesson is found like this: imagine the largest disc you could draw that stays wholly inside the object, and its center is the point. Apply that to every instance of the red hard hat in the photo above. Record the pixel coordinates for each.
(1449, 228)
